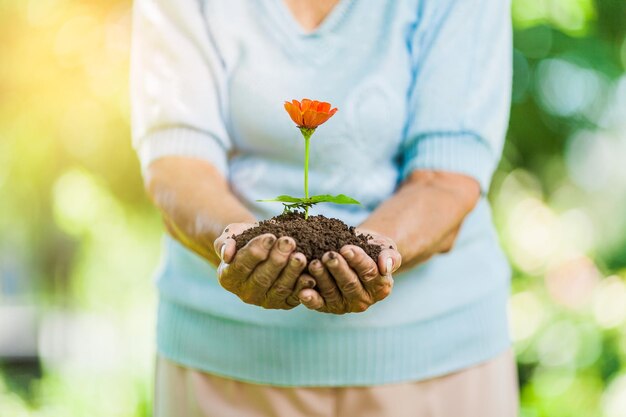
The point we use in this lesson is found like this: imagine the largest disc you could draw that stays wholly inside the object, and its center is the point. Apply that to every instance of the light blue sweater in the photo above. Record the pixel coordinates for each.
(420, 84)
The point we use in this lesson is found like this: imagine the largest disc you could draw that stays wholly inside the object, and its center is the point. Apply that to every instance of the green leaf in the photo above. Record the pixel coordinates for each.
(324, 198)
(336, 199)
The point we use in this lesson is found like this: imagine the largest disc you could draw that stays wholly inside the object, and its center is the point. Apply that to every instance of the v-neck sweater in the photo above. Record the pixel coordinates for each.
(420, 84)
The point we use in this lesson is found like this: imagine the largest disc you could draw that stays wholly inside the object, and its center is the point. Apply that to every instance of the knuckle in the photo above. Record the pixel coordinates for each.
(359, 257)
(292, 301)
(262, 280)
(294, 268)
(350, 287)
(370, 271)
(256, 252)
(236, 271)
(364, 262)
(335, 303)
(291, 274)
(280, 292)
(329, 294)
(277, 260)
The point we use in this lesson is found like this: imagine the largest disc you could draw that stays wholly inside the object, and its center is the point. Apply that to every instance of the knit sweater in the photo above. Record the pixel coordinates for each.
(420, 84)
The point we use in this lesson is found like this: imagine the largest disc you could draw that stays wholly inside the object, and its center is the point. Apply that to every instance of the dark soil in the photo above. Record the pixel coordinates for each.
(314, 236)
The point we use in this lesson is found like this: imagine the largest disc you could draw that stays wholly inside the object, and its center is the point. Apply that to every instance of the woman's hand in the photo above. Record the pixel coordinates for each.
(266, 272)
(350, 281)
(225, 246)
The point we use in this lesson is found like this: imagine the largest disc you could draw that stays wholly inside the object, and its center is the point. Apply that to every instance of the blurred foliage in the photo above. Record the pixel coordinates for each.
(72, 208)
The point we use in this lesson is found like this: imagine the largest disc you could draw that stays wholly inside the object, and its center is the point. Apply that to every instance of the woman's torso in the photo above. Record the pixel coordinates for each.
(361, 61)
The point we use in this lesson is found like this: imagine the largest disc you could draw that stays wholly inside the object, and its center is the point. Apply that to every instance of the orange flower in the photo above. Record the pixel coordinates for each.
(310, 113)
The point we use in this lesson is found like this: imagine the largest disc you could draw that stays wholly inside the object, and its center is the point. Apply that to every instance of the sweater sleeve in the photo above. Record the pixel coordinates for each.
(177, 84)
(459, 102)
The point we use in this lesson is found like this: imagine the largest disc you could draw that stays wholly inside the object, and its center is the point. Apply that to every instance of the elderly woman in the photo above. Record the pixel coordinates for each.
(423, 91)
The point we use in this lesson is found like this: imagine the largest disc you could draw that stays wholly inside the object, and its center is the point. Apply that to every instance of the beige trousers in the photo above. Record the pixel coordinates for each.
(488, 389)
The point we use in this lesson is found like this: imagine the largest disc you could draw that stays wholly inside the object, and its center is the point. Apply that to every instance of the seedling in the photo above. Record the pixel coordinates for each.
(308, 115)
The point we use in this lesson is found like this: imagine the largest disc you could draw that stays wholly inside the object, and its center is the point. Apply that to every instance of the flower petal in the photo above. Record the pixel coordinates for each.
(294, 113)
(309, 113)
(308, 118)
(322, 118)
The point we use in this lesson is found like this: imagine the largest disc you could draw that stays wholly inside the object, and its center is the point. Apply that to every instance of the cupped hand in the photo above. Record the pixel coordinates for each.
(266, 272)
(351, 281)
(225, 246)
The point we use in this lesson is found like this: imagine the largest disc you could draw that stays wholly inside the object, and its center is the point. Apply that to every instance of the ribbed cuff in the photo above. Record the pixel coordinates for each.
(460, 152)
(180, 141)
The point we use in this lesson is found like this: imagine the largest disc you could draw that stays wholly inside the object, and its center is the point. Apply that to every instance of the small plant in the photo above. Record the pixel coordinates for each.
(307, 116)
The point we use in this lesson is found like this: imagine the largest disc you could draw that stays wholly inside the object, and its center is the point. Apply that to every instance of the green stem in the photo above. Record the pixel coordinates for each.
(307, 137)
(306, 173)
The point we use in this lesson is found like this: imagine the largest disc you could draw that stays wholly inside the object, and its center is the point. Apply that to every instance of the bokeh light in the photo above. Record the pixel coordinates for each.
(77, 312)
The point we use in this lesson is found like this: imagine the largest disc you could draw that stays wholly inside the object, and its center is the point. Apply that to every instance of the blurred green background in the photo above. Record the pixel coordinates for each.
(76, 311)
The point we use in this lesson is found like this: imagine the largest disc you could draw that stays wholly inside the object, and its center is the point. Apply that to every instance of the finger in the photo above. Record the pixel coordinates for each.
(376, 285)
(246, 260)
(365, 267)
(311, 299)
(347, 280)
(389, 260)
(305, 281)
(221, 240)
(266, 272)
(326, 285)
(285, 284)
(225, 248)
(228, 249)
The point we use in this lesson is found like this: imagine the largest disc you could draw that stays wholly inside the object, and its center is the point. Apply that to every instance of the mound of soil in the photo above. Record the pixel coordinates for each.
(314, 236)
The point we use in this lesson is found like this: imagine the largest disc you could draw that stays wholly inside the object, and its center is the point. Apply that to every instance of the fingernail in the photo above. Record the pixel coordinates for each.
(309, 283)
(349, 254)
(284, 245)
(268, 242)
(307, 298)
(389, 266)
(316, 264)
(294, 261)
(222, 252)
(332, 259)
